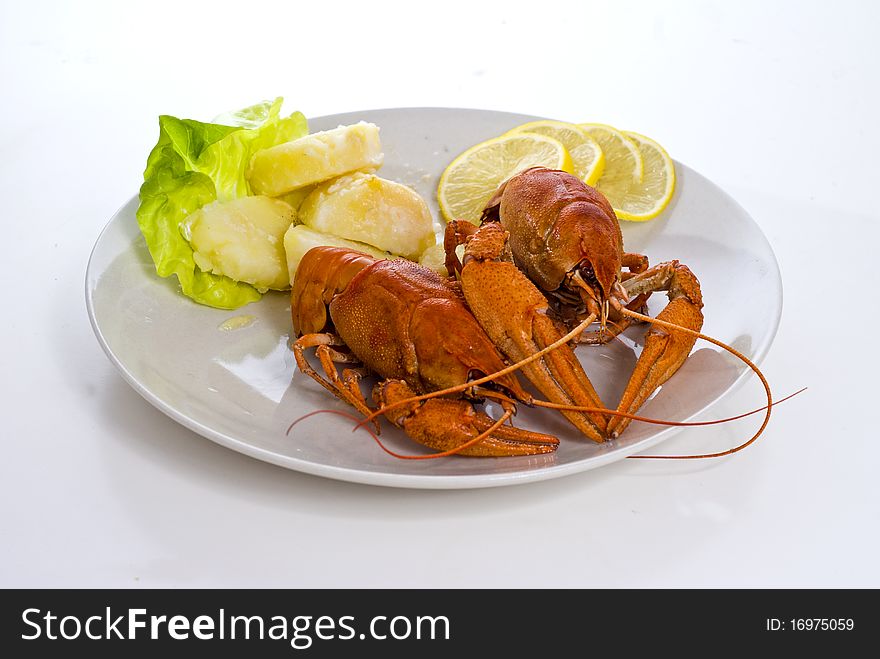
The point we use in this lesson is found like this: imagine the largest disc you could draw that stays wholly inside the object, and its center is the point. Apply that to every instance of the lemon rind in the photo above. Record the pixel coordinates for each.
(627, 142)
(663, 201)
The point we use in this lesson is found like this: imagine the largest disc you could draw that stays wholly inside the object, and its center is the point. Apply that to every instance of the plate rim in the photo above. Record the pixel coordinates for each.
(429, 481)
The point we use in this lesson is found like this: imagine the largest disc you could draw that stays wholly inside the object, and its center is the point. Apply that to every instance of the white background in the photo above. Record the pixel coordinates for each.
(777, 102)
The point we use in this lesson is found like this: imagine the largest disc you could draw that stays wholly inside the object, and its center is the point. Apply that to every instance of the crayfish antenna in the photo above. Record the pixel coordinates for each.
(570, 336)
(664, 422)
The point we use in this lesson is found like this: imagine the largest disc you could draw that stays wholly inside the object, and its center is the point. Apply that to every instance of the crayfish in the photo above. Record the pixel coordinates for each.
(412, 327)
(546, 262)
(566, 237)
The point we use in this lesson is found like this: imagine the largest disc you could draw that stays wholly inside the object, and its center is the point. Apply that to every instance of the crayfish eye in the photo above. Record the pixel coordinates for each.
(589, 277)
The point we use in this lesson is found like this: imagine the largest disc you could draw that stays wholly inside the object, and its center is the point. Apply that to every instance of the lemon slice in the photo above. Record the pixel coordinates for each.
(586, 154)
(648, 200)
(624, 167)
(473, 177)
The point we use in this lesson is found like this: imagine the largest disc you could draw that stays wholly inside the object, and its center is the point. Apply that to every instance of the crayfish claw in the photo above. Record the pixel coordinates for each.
(513, 312)
(444, 424)
(665, 350)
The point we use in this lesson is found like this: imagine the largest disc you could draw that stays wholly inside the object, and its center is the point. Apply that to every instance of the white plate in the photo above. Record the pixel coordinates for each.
(240, 388)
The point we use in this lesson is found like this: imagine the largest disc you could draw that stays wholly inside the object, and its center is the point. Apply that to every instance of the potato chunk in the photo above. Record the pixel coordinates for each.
(299, 239)
(296, 197)
(314, 158)
(434, 258)
(371, 210)
(243, 239)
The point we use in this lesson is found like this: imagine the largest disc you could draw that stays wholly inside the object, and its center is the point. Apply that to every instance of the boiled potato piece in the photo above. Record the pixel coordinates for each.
(299, 239)
(372, 210)
(434, 258)
(296, 197)
(243, 239)
(314, 158)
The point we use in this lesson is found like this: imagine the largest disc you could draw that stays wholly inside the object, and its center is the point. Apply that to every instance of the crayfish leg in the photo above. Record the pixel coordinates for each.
(634, 262)
(345, 388)
(457, 233)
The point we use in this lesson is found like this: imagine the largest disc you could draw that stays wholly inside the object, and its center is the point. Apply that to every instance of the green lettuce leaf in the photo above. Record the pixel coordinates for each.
(193, 164)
